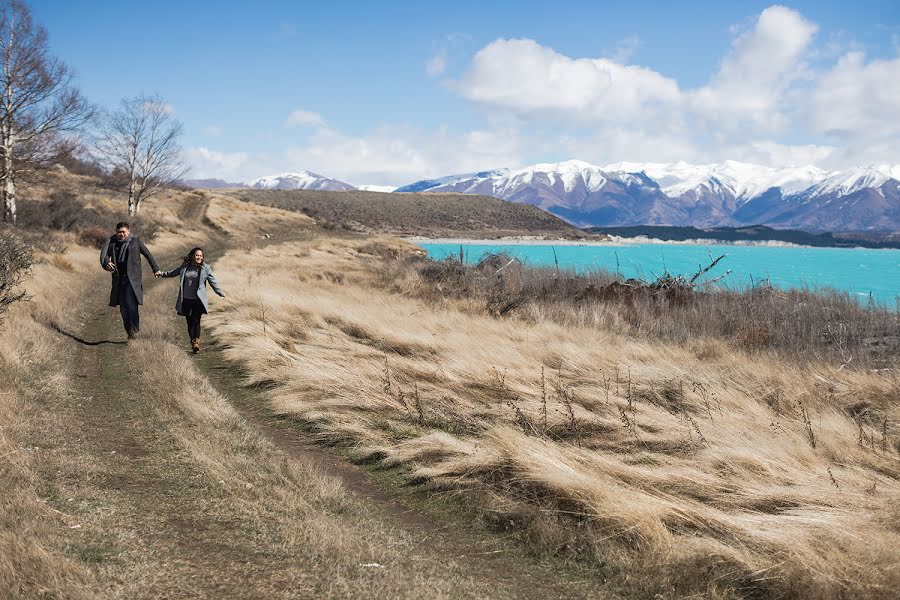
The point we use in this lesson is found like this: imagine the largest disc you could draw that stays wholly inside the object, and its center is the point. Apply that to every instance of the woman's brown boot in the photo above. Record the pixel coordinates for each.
(195, 345)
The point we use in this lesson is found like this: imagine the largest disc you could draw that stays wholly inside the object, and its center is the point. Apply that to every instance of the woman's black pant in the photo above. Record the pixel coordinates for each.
(193, 311)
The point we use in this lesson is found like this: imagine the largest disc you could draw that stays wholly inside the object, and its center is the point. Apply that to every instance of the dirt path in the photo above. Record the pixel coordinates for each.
(135, 471)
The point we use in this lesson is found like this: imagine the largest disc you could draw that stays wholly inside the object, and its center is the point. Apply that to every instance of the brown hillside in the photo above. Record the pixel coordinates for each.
(460, 215)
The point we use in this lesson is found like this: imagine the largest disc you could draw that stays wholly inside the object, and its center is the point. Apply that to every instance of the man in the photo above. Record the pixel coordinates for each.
(121, 255)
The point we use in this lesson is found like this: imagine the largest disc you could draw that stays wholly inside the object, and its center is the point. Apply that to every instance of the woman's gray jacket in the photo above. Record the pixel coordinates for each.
(206, 276)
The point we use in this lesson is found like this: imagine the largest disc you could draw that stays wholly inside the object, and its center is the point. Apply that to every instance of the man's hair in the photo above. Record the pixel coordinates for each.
(122, 224)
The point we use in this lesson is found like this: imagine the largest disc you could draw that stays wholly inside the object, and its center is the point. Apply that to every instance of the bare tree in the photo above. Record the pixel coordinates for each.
(139, 142)
(40, 108)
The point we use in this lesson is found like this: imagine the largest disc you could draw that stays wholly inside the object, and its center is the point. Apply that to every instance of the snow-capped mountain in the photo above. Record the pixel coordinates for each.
(741, 180)
(728, 193)
(301, 180)
(384, 189)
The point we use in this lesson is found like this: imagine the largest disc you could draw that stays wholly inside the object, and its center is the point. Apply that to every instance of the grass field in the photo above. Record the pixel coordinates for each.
(125, 473)
(681, 468)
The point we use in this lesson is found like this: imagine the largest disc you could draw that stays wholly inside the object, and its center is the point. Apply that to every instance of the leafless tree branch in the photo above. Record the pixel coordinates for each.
(41, 110)
(140, 142)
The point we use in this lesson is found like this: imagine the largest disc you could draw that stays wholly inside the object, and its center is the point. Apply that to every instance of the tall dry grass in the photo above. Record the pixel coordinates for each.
(797, 324)
(33, 376)
(675, 466)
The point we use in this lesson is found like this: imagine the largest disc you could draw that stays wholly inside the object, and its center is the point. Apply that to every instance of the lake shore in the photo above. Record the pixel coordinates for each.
(609, 241)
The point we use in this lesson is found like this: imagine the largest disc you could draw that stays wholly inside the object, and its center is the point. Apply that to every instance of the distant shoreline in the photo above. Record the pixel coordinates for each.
(620, 241)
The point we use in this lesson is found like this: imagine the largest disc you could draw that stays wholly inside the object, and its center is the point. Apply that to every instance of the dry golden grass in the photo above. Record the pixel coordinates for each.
(125, 474)
(683, 468)
(245, 220)
(32, 561)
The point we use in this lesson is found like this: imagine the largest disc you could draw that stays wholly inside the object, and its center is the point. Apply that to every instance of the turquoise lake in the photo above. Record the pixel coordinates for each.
(857, 270)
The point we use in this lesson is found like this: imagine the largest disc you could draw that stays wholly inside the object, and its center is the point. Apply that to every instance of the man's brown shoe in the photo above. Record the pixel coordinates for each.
(195, 345)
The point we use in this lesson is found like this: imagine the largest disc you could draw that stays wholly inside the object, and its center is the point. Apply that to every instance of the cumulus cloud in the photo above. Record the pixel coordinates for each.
(857, 98)
(749, 89)
(305, 118)
(765, 101)
(532, 80)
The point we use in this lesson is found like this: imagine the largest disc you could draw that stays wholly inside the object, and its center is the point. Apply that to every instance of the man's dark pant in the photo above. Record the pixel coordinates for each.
(128, 306)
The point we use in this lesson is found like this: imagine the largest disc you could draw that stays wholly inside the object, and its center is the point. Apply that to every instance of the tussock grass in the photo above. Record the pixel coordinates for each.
(798, 324)
(676, 461)
(33, 560)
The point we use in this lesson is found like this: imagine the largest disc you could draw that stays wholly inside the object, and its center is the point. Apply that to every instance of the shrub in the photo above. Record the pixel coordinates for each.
(94, 236)
(800, 323)
(15, 262)
(66, 211)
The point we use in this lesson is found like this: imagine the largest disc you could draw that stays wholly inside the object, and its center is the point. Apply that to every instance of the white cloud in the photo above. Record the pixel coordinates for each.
(206, 163)
(304, 118)
(857, 99)
(750, 86)
(770, 99)
(531, 80)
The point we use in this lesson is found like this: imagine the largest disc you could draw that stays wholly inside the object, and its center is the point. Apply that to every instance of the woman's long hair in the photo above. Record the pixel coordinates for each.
(189, 258)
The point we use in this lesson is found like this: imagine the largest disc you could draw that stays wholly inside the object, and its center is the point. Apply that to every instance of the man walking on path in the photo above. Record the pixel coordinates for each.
(121, 255)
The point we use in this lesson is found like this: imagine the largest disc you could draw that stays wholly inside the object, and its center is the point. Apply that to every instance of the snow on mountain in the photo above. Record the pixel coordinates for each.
(743, 180)
(892, 170)
(451, 180)
(844, 183)
(728, 193)
(385, 189)
(301, 180)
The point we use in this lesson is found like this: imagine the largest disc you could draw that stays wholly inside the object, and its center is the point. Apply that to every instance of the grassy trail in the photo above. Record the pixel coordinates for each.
(167, 491)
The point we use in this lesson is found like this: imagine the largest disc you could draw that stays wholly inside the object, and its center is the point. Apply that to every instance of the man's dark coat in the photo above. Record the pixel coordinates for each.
(135, 248)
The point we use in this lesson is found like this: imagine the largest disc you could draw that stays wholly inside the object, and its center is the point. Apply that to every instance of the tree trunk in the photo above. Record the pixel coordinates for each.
(9, 192)
(132, 207)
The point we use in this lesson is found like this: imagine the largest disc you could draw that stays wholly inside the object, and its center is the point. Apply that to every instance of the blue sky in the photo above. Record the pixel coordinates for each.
(389, 92)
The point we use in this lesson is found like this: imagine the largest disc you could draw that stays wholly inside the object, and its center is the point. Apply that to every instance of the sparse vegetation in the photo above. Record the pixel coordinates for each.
(414, 214)
(798, 324)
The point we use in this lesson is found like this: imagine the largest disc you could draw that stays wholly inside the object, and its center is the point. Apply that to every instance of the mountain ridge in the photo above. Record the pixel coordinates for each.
(729, 193)
(683, 194)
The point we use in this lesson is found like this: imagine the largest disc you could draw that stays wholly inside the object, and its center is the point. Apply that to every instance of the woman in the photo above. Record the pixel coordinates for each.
(192, 302)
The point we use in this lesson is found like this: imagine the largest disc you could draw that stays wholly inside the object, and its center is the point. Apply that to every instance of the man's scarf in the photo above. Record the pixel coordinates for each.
(123, 249)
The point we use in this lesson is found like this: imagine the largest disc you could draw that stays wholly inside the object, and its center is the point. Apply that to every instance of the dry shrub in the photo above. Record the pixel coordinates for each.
(66, 210)
(15, 263)
(61, 262)
(800, 324)
(94, 236)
